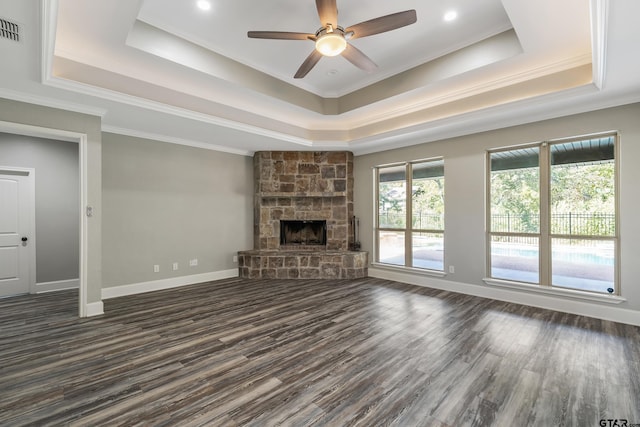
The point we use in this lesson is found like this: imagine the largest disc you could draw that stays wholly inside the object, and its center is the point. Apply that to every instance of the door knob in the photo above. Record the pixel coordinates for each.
(24, 239)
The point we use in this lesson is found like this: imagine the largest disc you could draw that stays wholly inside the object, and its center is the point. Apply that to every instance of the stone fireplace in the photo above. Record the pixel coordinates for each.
(303, 209)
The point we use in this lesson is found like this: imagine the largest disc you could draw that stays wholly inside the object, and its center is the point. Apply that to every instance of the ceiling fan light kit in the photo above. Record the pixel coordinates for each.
(330, 42)
(331, 39)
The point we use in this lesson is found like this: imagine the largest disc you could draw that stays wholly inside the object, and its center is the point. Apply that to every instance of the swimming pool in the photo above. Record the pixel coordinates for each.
(599, 256)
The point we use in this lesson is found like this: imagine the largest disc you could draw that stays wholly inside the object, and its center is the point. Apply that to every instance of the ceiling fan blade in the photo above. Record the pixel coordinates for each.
(280, 35)
(308, 64)
(359, 59)
(383, 24)
(328, 12)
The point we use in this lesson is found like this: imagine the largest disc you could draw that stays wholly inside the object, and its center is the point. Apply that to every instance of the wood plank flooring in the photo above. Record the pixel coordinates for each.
(363, 352)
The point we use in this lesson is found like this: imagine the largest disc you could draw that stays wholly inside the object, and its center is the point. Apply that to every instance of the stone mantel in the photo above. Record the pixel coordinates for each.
(303, 194)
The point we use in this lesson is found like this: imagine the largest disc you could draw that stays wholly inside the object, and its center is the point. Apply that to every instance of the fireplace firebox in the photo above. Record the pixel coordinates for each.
(303, 233)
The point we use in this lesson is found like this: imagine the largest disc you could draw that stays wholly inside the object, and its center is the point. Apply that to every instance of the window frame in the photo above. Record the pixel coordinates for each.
(544, 235)
(409, 231)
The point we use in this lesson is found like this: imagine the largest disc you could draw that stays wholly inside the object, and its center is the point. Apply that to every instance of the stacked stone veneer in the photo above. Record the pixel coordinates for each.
(292, 185)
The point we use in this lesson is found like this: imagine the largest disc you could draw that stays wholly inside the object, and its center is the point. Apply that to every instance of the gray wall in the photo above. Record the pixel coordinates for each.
(51, 118)
(57, 233)
(465, 171)
(166, 203)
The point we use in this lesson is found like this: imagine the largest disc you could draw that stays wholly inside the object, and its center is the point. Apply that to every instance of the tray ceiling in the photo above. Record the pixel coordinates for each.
(185, 73)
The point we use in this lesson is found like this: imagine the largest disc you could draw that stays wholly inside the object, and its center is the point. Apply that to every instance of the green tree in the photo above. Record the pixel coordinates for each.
(391, 204)
(515, 200)
(584, 190)
(428, 203)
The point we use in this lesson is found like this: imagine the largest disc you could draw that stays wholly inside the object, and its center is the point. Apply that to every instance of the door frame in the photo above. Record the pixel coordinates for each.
(31, 248)
(81, 140)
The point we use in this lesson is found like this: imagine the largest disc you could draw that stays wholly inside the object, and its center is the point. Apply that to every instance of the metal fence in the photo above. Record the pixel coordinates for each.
(585, 224)
(581, 224)
(420, 221)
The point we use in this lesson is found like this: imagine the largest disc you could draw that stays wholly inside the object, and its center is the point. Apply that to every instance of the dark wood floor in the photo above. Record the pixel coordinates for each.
(362, 352)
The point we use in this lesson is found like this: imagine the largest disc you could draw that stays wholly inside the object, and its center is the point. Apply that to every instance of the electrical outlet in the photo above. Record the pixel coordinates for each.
(175, 266)
(452, 269)
(235, 258)
(193, 262)
(156, 268)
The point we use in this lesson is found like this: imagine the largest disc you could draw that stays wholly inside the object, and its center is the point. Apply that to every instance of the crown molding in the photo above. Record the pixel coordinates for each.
(599, 30)
(172, 140)
(134, 101)
(51, 102)
(491, 118)
(48, 26)
(488, 86)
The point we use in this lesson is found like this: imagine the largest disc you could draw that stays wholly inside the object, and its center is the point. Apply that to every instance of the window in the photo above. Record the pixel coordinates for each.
(552, 218)
(410, 224)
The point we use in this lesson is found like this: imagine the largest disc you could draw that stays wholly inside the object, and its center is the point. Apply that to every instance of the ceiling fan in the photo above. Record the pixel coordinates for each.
(332, 40)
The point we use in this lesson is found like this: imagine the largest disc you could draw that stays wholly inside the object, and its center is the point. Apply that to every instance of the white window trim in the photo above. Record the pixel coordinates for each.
(569, 293)
(414, 270)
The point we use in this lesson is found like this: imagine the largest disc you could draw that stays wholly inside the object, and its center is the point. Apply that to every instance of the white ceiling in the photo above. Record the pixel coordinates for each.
(166, 70)
(224, 30)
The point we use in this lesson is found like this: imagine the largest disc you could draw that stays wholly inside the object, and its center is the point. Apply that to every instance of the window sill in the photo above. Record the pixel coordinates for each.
(399, 268)
(570, 293)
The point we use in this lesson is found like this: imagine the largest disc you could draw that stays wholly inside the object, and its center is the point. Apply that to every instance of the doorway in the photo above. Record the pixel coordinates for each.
(81, 140)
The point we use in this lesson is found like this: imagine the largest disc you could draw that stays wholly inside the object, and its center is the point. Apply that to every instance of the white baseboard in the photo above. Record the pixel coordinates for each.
(57, 285)
(173, 282)
(95, 309)
(563, 304)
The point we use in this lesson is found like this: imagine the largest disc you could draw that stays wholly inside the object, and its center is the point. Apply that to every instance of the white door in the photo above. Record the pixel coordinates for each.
(16, 239)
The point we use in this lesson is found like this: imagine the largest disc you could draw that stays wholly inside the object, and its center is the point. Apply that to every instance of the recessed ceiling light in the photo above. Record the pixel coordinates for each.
(204, 4)
(450, 15)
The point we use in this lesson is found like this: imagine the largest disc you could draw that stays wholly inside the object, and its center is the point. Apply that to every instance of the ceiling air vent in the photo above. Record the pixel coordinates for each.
(9, 30)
